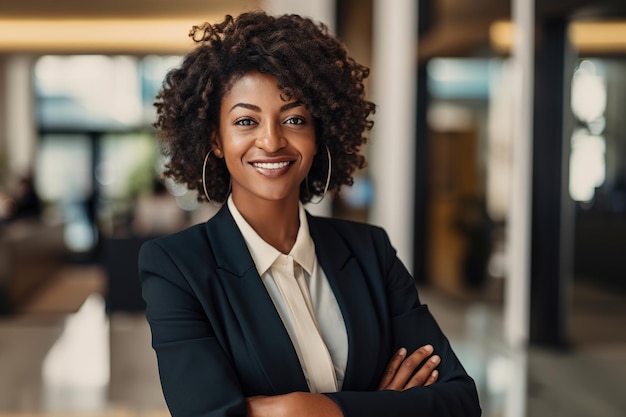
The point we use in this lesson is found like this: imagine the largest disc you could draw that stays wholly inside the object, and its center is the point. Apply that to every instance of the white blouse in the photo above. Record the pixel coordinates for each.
(319, 297)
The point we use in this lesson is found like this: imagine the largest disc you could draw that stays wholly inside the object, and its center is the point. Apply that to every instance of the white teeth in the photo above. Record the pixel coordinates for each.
(270, 165)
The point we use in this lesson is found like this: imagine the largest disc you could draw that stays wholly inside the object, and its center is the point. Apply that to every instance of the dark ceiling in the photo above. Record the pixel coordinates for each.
(121, 8)
(448, 27)
(461, 27)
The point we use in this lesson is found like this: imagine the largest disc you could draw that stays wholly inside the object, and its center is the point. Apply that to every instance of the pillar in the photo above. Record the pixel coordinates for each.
(516, 294)
(19, 115)
(551, 208)
(392, 149)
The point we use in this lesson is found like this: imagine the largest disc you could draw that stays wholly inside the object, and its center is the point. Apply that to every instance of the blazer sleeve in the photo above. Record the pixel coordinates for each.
(196, 374)
(454, 394)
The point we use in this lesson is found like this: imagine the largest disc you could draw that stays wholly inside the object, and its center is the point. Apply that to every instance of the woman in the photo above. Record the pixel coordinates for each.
(265, 310)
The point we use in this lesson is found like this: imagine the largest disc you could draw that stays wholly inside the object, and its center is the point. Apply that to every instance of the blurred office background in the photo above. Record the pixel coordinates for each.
(497, 164)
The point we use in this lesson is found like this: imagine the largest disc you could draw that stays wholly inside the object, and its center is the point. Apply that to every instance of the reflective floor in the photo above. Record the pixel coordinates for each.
(63, 356)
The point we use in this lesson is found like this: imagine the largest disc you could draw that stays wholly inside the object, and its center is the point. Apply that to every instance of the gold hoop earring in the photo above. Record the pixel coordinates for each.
(206, 194)
(327, 178)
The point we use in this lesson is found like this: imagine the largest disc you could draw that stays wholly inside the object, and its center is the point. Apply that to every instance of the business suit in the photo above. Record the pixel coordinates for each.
(219, 338)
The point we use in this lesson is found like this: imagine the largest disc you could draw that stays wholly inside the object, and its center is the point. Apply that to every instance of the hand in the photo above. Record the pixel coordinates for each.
(260, 406)
(301, 404)
(401, 371)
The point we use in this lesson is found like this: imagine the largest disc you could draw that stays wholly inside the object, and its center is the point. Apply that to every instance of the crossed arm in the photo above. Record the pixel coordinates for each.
(198, 377)
(401, 373)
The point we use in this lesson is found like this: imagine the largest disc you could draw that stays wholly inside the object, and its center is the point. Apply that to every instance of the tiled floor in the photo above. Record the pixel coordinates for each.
(63, 356)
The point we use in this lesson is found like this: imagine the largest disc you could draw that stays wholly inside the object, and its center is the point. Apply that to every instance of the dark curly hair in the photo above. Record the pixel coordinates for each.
(310, 65)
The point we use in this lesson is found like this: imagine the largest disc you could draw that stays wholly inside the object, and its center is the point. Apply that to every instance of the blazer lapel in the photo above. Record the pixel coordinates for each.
(349, 284)
(262, 327)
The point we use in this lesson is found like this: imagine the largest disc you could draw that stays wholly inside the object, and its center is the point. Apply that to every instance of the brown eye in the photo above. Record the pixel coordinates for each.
(294, 121)
(244, 122)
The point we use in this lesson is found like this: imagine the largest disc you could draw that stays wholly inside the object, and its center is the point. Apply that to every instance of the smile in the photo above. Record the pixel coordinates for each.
(271, 165)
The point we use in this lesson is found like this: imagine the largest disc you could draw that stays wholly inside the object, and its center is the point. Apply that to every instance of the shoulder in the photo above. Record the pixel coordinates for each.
(349, 226)
(185, 244)
(339, 240)
(195, 238)
(354, 234)
(188, 236)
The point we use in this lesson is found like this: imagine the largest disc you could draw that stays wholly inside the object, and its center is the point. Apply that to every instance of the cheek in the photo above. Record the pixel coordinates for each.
(309, 149)
(310, 159)
(232, 146)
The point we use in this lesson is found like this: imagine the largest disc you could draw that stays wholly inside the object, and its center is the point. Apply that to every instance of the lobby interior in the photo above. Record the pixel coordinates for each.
(73, 336)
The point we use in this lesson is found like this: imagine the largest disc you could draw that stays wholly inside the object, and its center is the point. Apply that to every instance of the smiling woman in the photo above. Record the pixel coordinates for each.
(265, 310)
(268, 144)
(318, 73)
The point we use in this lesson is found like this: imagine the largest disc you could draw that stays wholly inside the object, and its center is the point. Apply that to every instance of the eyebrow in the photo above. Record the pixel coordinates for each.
(256, 108)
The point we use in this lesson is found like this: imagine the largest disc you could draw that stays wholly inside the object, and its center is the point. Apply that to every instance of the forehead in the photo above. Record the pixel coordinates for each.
(253, 79)
(253, 83)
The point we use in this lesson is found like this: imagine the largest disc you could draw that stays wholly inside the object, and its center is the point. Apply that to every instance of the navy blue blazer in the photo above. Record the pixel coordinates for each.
(218, 337)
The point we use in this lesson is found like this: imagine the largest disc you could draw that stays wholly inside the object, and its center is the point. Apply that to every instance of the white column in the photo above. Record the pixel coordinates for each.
(318, 10)
(20, 133)
(517, 288)
(518, 281)
(392, 148)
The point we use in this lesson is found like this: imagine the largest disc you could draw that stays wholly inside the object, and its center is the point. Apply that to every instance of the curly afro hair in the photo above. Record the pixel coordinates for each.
(309, 64)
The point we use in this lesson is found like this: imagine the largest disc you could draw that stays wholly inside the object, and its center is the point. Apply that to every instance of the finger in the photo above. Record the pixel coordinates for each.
(408, 367)
(432, 378)
(392, 368)
(424, 373)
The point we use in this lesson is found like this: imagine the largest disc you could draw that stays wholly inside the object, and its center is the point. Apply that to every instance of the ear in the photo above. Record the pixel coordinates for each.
(216, 145)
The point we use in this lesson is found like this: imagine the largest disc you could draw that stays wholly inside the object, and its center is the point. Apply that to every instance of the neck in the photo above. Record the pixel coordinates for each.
(276, 222)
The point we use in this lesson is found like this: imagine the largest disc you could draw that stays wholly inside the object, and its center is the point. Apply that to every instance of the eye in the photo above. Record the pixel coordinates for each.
(294, 120)
(244, 122)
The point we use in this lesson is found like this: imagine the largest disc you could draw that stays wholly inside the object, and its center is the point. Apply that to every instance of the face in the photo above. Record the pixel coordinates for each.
(268, 143)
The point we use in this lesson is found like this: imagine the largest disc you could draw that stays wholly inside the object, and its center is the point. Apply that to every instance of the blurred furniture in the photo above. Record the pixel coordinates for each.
(31, 253)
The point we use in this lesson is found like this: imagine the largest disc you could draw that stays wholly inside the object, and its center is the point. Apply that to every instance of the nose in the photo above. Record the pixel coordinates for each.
(270, 137)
